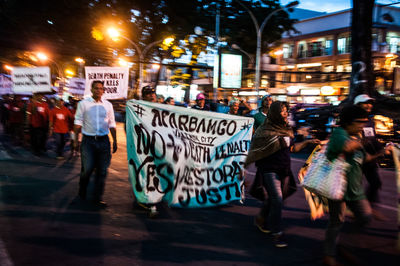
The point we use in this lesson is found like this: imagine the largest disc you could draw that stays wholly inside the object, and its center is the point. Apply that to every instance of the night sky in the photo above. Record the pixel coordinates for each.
(330, 5)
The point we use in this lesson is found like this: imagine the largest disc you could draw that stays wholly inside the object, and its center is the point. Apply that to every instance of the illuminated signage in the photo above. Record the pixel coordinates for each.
(231, 71)
(310, 92)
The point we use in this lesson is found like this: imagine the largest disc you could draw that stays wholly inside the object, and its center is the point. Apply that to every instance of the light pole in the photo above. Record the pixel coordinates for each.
(43, 57)
(114, 33)
(237, 47)
(80, 61)
(259, 30)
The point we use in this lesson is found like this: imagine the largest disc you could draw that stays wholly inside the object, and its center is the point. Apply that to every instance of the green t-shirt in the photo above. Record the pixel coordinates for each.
(259, 119)
(336, 143)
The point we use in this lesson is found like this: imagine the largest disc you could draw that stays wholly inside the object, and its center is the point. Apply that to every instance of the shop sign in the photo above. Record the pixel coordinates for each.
(231, 71)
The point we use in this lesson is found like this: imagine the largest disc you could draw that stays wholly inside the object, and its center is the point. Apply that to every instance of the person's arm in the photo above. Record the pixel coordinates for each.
(301, 145)
(78, 122)
(113, 132)
(247, 106)
(112, 125)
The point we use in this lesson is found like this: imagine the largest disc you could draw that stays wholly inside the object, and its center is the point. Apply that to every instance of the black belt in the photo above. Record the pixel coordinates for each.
(96, 137)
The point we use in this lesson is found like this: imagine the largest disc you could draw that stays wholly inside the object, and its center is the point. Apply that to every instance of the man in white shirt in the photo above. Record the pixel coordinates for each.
(94, 118)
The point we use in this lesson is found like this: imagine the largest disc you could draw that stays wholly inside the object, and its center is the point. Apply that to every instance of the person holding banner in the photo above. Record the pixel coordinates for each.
(149, 94)
(38, 116)
(95, 119)
(270, 150)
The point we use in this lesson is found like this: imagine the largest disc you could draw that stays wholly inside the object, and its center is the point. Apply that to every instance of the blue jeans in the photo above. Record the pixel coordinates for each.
(61, 139)
(362, 214)
(95, 154)
(272, 209)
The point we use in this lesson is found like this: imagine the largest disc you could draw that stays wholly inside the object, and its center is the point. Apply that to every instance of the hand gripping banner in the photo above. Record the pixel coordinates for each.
(186, 157)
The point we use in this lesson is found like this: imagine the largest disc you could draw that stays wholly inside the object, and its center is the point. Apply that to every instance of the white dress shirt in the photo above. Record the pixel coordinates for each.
(95, 117)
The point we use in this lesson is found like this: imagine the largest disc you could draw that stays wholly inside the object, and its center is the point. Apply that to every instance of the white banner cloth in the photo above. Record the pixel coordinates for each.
(186, 157)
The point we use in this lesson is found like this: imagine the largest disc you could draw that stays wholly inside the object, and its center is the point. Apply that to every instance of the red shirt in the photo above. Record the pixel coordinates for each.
(16, 112)
(39, 116)
(61, 118)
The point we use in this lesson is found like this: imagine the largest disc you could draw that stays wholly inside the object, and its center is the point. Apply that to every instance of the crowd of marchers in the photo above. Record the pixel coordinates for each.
(87, 124)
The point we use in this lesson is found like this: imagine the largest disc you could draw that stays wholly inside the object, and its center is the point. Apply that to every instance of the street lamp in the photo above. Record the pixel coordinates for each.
(80, 61)
(259, 30)
(115, 34)
(43, 57)
(237, 47)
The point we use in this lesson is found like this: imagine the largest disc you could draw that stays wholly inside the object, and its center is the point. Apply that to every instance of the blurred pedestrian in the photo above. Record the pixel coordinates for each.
(60, 125)
(95, 119)
(149, 94)
(170, 101)
(238, 107)
(372, 146)
(201, 103)
(262, 111)
(5, 112)
(160, 98)
(38, 117)
(270, 150)
(346, 140)
(16, 119)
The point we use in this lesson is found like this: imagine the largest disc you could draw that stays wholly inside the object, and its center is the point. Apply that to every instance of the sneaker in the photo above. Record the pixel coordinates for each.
(261, 226)
(153, 212)
(279, 240)
(100, 204)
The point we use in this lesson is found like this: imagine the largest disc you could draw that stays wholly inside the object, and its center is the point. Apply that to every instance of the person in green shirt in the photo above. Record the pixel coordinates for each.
(346, 140)
(259, 118)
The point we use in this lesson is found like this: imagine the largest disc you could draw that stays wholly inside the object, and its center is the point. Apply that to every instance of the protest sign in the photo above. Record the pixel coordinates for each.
(76, 86)
(115, 81)
(5, 84)
(31, 79)
(186, 157)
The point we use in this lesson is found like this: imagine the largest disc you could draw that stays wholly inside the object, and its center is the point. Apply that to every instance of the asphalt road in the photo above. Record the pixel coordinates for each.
(41, 224)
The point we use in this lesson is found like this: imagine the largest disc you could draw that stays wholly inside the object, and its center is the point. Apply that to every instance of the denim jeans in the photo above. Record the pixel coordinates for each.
(362, 214)
(95, 154)
(61, 139)
(272, 208)
(38, 139)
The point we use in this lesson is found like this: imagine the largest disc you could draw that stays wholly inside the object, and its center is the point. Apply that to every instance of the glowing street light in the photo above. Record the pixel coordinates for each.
(42, 56)
(79, 60)
(123, 62)
(115, 34)
(8, 67)
(69, 72)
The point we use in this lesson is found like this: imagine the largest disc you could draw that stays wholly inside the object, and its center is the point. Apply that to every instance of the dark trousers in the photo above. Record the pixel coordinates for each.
(38, 139)
(370, 170)
(95, 154)
(272, 208)
(362, 214)
(61, 139)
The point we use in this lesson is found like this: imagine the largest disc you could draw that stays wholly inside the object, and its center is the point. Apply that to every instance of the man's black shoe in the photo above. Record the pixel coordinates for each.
(100, 204)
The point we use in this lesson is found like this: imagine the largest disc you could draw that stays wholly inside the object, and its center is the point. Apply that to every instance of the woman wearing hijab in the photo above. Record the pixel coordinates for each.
(270, 150)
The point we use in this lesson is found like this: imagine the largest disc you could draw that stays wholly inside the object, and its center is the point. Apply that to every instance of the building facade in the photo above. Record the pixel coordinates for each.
(315, 62)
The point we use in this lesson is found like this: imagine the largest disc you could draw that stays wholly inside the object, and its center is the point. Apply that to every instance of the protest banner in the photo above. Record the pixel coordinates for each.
(76, 86)
(31, 79)
(186, 157)
(5, 84)
(115, 81)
